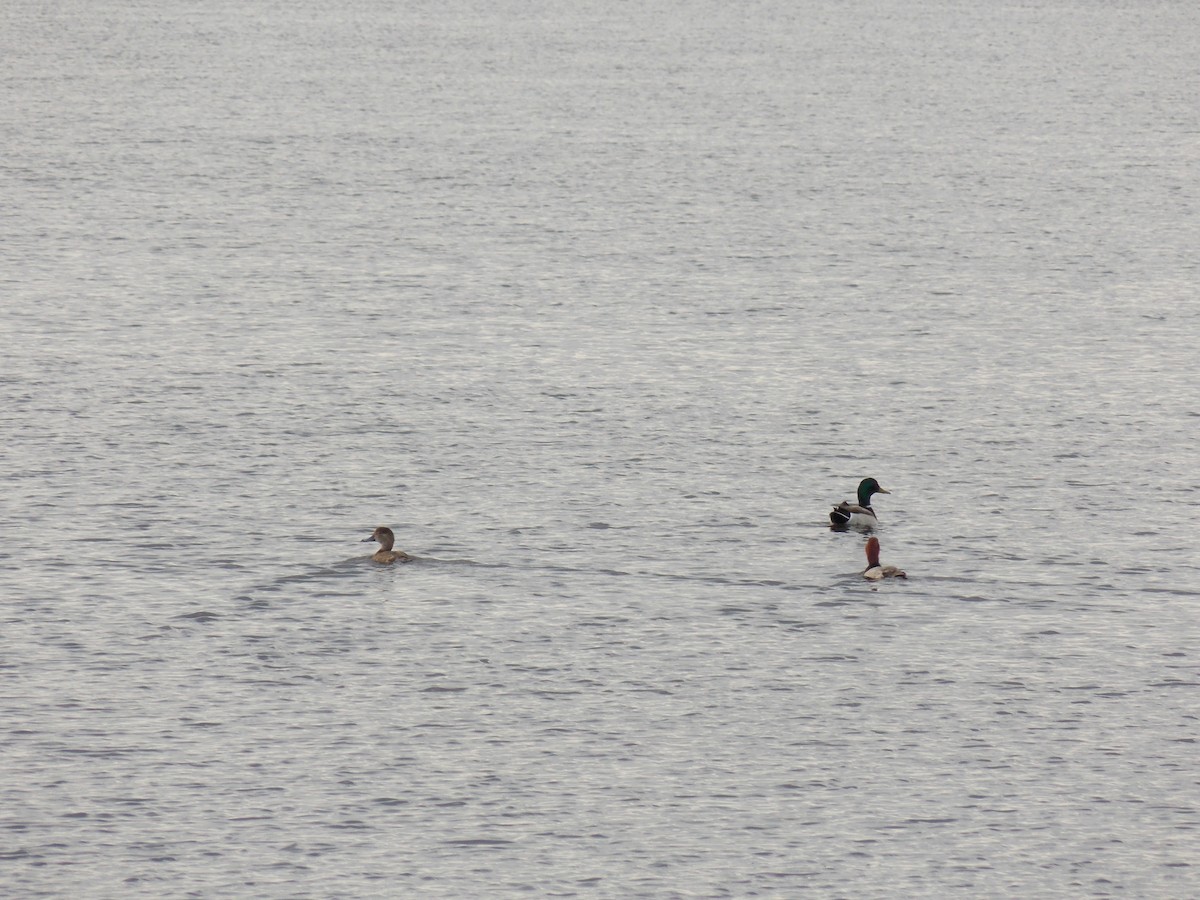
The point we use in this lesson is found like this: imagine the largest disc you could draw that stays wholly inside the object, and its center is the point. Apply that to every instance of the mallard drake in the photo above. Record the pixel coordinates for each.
(385, 554)
(874, 570)
(846, 513)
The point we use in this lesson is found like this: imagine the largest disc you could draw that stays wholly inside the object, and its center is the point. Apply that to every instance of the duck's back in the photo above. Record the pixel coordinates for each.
(390, 556)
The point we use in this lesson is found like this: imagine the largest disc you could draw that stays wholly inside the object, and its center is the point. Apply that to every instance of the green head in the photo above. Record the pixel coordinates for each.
(866, 488)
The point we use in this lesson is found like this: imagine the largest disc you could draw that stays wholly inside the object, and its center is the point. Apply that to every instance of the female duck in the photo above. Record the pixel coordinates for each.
(385, 554)
(874, 570)
(846, 513)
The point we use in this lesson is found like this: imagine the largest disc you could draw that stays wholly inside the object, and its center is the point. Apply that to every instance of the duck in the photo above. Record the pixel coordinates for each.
(846, 513)
(385, 554)
(874, 571)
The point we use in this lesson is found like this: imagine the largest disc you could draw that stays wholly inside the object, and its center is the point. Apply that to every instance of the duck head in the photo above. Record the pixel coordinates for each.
(383, 535)
(866, 488)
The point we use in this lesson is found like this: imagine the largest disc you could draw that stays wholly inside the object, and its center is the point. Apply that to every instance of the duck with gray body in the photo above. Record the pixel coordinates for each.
(858, 514)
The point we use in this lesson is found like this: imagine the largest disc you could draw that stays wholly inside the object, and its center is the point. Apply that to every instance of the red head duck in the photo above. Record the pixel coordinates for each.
(874, 570)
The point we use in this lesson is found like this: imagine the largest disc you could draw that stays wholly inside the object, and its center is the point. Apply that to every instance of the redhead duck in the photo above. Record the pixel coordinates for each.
(385, 554)
(874, 570)
(847, 513)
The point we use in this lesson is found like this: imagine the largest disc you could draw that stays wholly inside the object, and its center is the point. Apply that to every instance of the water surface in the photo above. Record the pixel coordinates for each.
(601, 307)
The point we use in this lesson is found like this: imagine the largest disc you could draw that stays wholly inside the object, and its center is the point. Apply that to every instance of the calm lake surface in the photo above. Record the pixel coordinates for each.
(601, 306)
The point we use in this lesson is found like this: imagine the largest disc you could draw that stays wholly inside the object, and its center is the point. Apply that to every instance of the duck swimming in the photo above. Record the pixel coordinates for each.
(846, 513)
(385, 554)
(874, 570)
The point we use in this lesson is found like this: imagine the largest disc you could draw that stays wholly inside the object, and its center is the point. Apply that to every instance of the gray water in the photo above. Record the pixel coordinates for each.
(601, 306)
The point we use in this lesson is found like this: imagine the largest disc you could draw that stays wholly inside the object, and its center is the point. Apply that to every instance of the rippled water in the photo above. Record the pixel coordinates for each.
(601, 306)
